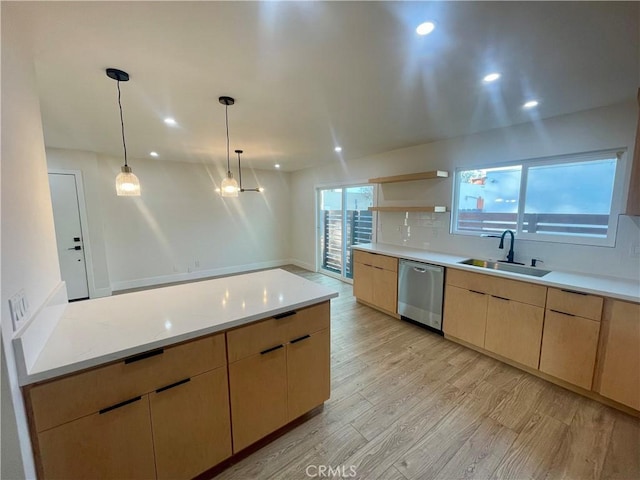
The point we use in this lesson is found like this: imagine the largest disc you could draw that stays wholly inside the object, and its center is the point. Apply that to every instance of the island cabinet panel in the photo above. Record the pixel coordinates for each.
(308, 358)
(109, 444)
(375, 280)
(277, 382)
(84, 393)
(191, 425)
(620, 353)
(569, 346)
(166, 408)
(465, 314)
(258, 389)
(514, 330)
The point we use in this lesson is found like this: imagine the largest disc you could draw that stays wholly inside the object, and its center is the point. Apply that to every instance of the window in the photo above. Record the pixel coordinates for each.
(568, 199)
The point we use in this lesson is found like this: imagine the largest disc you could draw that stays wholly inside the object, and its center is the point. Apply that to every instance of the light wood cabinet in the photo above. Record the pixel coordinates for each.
(619, 358)
(500, 315)
(258, 390)
(465, 314)
(113, 443)
(569, 346)
(570, 338)
(514, 330)
(375, 280)
(289, 376)
(191, 425)
(308, 369)
(152, 408)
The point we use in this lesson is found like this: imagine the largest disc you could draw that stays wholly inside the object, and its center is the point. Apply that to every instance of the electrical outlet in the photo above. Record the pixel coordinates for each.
(197, 263)
(19, 308)
(635, 251)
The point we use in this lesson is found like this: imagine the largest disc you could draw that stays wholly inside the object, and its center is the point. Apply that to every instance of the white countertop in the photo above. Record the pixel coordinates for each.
(622, 289)
(95, 332)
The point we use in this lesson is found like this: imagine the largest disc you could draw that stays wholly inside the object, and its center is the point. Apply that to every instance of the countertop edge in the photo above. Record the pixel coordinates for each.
(31, 378)
(437, 258)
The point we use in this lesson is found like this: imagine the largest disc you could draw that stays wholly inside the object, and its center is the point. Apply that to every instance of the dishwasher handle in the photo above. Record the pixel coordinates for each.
(425, 269)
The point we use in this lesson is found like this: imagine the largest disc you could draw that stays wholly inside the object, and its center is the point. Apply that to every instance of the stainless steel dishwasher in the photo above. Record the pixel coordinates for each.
(420, 287)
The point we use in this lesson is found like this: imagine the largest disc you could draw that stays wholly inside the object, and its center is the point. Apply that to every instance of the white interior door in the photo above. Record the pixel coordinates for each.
(66, 216)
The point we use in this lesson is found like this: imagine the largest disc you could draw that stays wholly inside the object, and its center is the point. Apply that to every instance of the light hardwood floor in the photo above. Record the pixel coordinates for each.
(408, 404)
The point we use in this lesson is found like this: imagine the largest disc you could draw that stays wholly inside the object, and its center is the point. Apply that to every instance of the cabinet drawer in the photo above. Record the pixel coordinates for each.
(575, 303)
(375, 260)
(309, 320)
(524, 292)
(77, 395)
(257, 337)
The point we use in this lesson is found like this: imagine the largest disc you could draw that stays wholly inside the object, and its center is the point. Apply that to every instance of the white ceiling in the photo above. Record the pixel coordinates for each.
(311, 75)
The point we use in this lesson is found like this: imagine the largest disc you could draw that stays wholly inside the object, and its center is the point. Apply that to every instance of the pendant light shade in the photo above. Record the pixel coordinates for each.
(127, 184)
(229, 186)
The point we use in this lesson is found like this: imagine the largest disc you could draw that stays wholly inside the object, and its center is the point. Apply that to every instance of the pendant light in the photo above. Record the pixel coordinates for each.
(229, 186)
(242, 190)
(127, 184)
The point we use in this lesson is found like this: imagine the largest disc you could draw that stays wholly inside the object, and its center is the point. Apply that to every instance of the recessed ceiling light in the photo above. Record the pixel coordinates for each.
(170, 121)
(277, 165)
(425, 28)
(338, 149)
(492, 77)
(153, 154)
(530, 104)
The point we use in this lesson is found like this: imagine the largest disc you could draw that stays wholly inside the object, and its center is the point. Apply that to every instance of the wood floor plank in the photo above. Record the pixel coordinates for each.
(516, 408)
(331, 453)
(480, 455)
(533, 452)
(440, 444)
(582, 454)
(623, 456)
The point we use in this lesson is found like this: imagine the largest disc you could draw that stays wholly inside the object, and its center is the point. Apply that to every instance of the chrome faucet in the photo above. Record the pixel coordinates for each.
(501, 246)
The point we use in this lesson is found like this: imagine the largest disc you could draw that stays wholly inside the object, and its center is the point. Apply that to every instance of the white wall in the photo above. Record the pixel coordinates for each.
(608, 127)
(29, 258)
(179, 228)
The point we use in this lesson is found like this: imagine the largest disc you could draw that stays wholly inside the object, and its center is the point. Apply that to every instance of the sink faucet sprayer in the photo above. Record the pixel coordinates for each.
(501, 246)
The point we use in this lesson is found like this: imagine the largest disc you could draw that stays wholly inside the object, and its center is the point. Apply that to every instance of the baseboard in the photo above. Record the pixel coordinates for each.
(101, 292)
(301, 264)
(196, 275)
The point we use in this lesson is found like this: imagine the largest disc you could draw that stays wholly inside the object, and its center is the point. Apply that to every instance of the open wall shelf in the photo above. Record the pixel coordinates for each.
(411, 176)
(431, 209)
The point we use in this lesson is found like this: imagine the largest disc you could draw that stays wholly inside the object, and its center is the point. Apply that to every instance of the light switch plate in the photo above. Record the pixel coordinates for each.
(19, 308)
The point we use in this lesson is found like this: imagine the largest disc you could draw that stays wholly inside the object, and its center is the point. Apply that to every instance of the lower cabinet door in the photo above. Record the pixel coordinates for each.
(569, 346)
(258, 389)
(191, 425)
(113, 444)
(363, 282)
(514, 330)
(385, 289)
(308, 372)
(465, 314)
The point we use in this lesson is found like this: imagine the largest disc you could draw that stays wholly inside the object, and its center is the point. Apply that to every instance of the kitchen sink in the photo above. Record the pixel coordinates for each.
(506, 267)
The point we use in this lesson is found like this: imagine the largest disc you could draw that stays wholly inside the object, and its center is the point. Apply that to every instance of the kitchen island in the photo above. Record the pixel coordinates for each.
(169, 382)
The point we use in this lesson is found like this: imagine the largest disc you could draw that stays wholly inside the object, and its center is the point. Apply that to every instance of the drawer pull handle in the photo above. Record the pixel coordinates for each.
(479, 293)
(181, 382)
(501, 298)
(300, 339)
(271, 349)
(285, 314)
(574, 292)
(118, 405)
(562, 313)
(143, 356)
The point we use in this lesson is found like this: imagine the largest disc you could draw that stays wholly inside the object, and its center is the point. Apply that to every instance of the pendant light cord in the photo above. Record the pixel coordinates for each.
(226, 116)
(124, 143)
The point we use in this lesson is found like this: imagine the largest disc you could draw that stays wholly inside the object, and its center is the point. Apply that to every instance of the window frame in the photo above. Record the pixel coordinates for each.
(616, 198)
